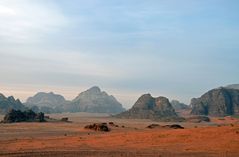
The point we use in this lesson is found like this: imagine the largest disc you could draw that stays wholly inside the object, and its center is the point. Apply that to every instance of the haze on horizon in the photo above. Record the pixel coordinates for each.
(177, 49)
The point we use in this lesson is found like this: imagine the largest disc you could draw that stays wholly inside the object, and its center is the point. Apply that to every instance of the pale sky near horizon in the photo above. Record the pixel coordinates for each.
(173, 48)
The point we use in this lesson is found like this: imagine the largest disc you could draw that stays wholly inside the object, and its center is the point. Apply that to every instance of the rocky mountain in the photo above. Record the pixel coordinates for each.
(9, 103)
(178, 105)
(148, 107)
(96, 101)
(46, 99)
(233, 86)
(217, 102)
(46, 102)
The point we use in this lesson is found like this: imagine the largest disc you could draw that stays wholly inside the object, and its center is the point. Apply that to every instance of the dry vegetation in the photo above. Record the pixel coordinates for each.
(217, 138)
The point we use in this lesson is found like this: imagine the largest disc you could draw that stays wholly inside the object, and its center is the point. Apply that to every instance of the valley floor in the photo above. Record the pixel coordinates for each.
(218, 138)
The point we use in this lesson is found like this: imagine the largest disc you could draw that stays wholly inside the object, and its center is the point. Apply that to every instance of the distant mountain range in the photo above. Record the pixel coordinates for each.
(95, 100)
(216, 102)
(92, 100)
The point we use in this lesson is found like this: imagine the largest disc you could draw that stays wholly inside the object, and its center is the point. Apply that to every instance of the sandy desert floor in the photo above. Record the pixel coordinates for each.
(219, 138)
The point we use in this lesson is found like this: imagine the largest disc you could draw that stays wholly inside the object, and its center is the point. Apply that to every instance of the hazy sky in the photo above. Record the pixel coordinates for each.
(174, 48)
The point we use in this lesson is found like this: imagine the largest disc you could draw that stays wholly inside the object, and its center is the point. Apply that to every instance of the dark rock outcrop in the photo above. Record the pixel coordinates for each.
(9, 103)
(173, 126)
(98, 127)
(217, 102)
(14, 116)
(65, 119)
(147, 107)
(153, 126)
(95, 101)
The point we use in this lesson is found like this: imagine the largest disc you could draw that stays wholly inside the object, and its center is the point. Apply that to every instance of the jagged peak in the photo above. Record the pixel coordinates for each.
(18, 100)
(11, 98)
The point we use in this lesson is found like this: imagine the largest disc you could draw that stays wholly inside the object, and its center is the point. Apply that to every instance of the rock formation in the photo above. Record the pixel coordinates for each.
(178, 105)
(96, 101)
(46, 102)
(147, 107)
(98, 127)
(9, 103)
(14, 116)
(217, 102)
(93, 100)
(157, 126)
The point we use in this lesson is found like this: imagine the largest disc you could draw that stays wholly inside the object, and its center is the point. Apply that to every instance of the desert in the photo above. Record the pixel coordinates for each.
(220, 137)
(119, 78)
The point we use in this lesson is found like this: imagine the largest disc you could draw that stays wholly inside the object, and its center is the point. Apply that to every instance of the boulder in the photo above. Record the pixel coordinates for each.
(65, 119)
(152, 126)
(173, 126)
(98, 127)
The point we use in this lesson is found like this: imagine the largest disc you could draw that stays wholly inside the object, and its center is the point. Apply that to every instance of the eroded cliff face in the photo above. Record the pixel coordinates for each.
(217, 102)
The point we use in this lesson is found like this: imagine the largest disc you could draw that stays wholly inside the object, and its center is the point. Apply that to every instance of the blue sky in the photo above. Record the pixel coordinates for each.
(178, 49)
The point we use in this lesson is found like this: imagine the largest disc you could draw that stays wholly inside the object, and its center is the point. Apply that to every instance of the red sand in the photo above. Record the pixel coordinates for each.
(208, 139)
(43, 137)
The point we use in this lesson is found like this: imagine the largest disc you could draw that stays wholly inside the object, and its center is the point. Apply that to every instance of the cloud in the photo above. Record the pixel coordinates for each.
(28, 21)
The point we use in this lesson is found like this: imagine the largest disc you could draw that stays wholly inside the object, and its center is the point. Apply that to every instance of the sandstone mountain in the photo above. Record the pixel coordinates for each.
(46, 99)
(148, 107)
(9, 103)
(96, 101)
(179, 106)
(217, 102)
(46, 102)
